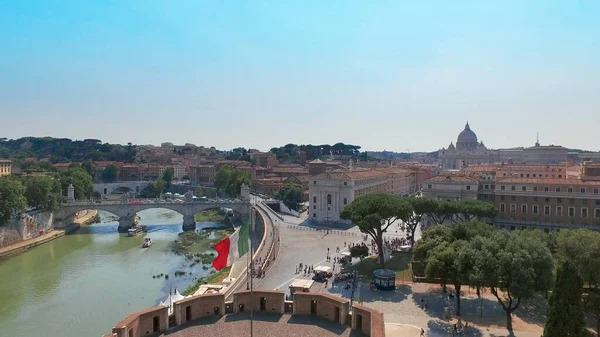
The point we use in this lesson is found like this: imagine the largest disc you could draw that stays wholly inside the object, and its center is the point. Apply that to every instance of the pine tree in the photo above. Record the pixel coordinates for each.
(565, 308)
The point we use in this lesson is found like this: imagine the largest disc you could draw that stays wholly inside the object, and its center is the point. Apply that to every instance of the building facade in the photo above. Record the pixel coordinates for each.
(203, 174)
(330, 192)
(5, 167)
(450, 188)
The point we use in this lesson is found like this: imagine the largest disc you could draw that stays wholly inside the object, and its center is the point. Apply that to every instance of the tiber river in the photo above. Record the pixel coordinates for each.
(85, 282)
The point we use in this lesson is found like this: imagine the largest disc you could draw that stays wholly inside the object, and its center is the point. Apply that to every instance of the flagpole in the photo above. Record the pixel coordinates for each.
(252, 219)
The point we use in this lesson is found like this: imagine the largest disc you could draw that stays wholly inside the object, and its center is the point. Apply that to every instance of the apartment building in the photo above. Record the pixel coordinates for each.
(547, 203)
(450, 187)
(203, 174)
(5, 167)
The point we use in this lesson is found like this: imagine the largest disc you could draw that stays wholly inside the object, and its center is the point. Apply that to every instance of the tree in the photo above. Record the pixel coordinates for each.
(157, 187)
(110, 174)
(565, 307)
(515, 268)
(420, 207)
(12, 198)
(199, 192)
(444, 210)
(291, 195)
(43, 192)
(467, 210)
(374, 214)
(230, 180)
(81, 181)
(582, 248)
(168, 176)
(90, 168)
(360, 251)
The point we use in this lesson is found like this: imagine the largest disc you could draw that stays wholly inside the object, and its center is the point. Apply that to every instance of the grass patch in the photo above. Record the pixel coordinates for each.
(215, 278)
(211, 215)
(400, 263)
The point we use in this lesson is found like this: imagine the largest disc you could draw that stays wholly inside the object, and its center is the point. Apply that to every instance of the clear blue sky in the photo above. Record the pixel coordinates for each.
(392, 75)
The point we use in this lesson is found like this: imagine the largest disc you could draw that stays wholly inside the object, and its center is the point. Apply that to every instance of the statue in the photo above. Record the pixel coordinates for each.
(189, 196)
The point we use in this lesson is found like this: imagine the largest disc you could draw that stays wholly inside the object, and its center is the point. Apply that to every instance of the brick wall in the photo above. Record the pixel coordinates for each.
(368, 321)
(199, 306)
(143, 323)
(325, 306)
(273, 301)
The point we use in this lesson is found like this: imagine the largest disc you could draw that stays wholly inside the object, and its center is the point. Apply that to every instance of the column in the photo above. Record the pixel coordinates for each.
(125, 223)
(189, 224)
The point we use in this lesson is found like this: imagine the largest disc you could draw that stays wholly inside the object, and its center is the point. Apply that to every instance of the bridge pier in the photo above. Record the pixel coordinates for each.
(189, 224)
(125, 223)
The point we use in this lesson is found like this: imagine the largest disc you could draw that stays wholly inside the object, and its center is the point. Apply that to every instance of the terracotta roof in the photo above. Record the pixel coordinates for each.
(355, 175)
(547, 181)
(395, 170)
(62, 164)
(457, 179)
(316, 161)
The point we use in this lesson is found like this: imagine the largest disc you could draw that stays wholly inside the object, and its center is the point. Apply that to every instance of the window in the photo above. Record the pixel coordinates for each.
(487, 187)
(597, 213)
(513, 208)
(314, 182)
(501, 197)
(534, 188)
(546, 189)
(314, 199)
(502, 208)
(557, 189)
(468, 187)
(584, 212)
(345, 201)
(560, 175)
(503, 187)
(559, 211)
(314, 206)
(534, 175)
(595, 191)
(524, 209)
(582, 190)
(521, 175)
(314, 215)
(345, 183)
(527, 175)
(571, 211)
(523, 188)
(512, 188)
(570, 189)
(546, 210)
(492, 186)
(536, 209)
(328, 199)
(428, 185)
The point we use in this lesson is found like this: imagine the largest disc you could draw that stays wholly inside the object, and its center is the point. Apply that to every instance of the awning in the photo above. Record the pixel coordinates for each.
(346, 253)
(323, 269)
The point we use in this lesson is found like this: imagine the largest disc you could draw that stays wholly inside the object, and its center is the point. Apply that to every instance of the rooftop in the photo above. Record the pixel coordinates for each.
(546, 181)
(451, 178)
(264, 325)
(355, 175)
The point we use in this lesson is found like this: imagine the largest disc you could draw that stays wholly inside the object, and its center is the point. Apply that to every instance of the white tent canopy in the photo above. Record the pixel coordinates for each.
(323, 269)
(172, 298)
(346, 253)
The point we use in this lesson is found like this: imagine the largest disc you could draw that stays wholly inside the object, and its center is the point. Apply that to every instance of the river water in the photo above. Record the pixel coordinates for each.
(84, 283)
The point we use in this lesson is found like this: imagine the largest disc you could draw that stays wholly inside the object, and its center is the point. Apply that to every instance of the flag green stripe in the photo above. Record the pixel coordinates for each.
(244, 234)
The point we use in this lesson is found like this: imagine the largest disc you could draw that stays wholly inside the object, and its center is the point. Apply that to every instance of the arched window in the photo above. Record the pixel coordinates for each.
(328, 199)
(105, 190)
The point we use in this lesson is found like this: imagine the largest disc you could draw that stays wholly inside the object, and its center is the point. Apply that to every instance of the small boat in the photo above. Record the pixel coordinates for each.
(147, 243)
(136, 230)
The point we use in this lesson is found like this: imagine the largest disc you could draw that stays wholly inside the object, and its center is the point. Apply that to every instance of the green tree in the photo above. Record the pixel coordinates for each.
(444, 210)
(291, 195)
(374, 214)
(168, 176)
(157, 187)
(582, 248)
(81, 180)
(420, 207)
(565, 307)
(110, 174)
(515, 268)
(12, 198)
(467, 210)
(360, 251)
(90, 168)
(230, 180)
(199, 192)
(43, 192)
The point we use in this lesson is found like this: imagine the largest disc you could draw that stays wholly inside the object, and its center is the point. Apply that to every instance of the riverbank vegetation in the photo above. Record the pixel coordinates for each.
(214, 278)
(211, 215)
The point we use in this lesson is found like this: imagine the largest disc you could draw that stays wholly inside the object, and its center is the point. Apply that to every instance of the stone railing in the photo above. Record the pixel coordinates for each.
(335, 309)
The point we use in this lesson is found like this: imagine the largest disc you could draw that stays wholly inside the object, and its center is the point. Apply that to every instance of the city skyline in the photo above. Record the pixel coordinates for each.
(387, 76)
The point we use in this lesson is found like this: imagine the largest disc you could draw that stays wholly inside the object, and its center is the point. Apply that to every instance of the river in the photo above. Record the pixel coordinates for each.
(84, 283)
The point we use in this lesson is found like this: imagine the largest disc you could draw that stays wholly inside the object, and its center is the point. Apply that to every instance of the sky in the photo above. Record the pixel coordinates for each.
(385, 75)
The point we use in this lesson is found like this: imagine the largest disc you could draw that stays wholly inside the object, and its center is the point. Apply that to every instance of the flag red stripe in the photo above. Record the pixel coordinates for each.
(222, 249)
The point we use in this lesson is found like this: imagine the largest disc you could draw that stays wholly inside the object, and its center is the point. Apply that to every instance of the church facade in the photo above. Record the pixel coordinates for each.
(470, 151)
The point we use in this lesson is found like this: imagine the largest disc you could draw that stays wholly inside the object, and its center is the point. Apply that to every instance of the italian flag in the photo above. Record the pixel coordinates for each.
(232, 247)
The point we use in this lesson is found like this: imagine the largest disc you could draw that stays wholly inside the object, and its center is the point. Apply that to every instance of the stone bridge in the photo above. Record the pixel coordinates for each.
(108, 188)
(127, 209)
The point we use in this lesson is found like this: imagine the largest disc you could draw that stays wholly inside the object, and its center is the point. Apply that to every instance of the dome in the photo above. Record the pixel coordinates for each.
(467, 139)
(451, 147)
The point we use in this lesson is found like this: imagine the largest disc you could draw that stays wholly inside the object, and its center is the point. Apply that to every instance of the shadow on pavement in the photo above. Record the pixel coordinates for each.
(439, 328)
